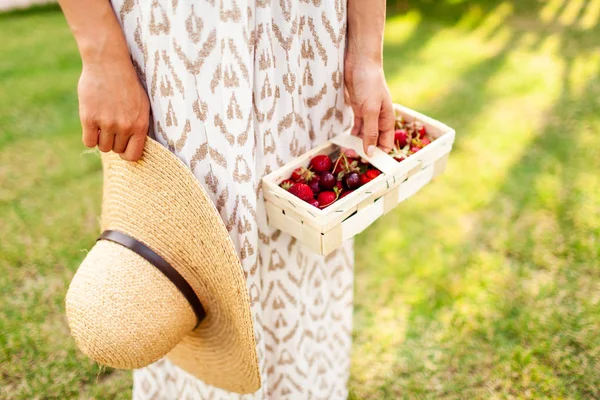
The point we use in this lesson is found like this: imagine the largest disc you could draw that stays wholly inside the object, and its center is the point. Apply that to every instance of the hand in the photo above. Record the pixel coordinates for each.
(114, 109)
(371, 102)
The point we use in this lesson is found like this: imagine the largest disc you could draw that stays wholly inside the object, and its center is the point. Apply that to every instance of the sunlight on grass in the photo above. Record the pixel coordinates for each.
(471, 18)
(571, 12)
(398, 33)
(551, 9)
(412, 84)
(591, 15)
(583, 69)
(494, 20)
(388, 332)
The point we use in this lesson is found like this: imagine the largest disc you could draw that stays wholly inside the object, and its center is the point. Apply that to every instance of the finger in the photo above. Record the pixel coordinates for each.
(356, 128)
(106, 140)
(135, 147)
(387, 120)
(89, 133)
(371, 130)
(350, 153)
(121, 143)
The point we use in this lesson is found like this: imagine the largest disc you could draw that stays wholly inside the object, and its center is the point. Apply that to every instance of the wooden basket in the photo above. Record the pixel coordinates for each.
(325, 230)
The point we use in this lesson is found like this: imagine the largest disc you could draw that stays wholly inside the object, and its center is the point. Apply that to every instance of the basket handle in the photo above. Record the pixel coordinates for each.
(379, 160)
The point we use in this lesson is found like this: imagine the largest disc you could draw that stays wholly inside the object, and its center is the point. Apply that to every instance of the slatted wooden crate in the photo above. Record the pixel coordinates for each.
(325, 230)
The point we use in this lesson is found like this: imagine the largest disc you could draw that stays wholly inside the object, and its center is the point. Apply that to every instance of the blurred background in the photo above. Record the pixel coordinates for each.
(484, 285)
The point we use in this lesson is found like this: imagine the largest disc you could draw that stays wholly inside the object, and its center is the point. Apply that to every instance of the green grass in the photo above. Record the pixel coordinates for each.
(484, 285)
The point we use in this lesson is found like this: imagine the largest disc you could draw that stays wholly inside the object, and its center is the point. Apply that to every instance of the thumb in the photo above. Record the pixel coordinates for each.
(371, 130)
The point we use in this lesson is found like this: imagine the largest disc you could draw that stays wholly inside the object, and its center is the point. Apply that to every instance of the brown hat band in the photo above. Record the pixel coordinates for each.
(162, 265)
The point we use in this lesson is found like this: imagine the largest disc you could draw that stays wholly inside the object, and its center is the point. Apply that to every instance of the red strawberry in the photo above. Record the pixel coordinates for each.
(321, 163)
(373, 173)
(314, 203)
(287, 184)
(297, 174)
(400, 138)
(369, 176)
(326, 199)
(363, 179)
(302, 174)
(425, 141)
(302, 191)
(422, 130)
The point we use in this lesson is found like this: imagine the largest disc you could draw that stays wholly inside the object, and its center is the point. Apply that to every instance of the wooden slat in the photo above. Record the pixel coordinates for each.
(304, 233)
(440, 165)
(390, 200)
(414, 183)
(361, 220)
(331, 240)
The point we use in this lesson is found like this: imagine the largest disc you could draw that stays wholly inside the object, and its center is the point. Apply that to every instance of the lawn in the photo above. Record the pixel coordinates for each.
(484, 285)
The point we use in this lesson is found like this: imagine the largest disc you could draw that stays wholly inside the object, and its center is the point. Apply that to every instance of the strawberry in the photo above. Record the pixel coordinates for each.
(373, 173)
(400, 138)
(422, 130)
(287, 184)
(369, 176)
(321, 163)
(302, 191)
(297, 174)
(425, 141)
(302, 174)
(314, 203)
(363, 179)
(326, 199)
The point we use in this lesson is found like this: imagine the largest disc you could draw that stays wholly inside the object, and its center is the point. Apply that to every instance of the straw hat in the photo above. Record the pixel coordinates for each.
(164, 278)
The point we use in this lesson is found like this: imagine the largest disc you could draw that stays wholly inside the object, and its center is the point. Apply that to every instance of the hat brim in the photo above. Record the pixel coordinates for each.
(158, 201)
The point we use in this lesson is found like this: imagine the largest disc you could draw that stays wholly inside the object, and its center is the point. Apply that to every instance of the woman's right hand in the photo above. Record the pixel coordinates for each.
(114, 108)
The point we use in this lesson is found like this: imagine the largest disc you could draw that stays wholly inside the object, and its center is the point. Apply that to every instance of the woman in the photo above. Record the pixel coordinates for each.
(236, 89)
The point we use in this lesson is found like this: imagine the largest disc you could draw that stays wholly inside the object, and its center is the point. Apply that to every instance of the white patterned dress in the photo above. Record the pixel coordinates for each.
(237, 89)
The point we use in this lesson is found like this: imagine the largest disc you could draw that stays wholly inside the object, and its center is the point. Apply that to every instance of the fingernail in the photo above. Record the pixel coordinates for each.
(370, 150)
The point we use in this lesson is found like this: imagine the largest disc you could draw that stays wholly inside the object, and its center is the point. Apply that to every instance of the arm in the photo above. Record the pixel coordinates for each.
(113, 106)
(363, 73)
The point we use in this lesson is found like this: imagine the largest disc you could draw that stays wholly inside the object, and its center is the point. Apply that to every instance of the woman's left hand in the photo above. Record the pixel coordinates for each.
(371, 102)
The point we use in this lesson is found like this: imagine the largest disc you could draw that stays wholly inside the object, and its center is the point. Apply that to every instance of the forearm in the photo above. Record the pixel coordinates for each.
(366, 22)
(97, 32)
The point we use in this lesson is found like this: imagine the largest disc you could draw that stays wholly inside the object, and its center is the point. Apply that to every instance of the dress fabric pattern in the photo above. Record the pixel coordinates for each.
(237, 89)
